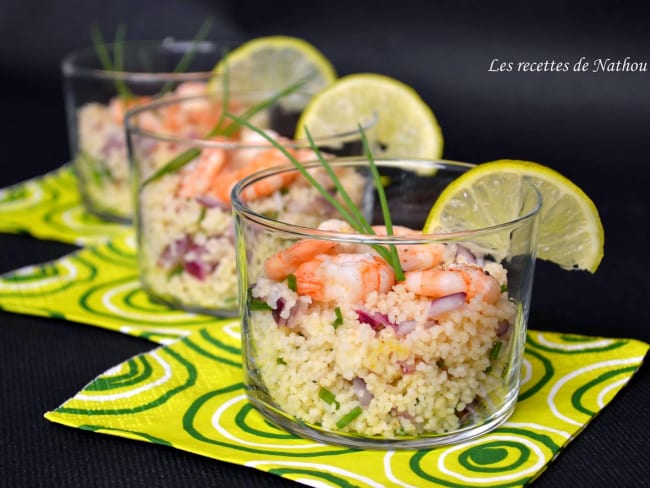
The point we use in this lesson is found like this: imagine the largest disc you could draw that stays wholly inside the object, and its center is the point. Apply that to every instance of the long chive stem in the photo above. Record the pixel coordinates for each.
(258, 107)
(354, 217)
(399, 274)
(118, 57)
(174, 165)
(105, 58)
(361, 220)
(187, 57)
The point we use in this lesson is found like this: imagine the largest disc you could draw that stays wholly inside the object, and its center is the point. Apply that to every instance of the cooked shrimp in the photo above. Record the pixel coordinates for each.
(199, 180)
(440, 282)
(266, 159)
(417, 256)
(287, 261)
(422, 256)
(118, 107)
(343, 277)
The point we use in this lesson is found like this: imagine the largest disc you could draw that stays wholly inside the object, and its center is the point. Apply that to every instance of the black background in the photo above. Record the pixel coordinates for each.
(592, 127)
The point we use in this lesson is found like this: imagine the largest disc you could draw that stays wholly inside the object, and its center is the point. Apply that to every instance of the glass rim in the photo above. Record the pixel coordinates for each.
(131, 128)
(301, 232)
(72, 62)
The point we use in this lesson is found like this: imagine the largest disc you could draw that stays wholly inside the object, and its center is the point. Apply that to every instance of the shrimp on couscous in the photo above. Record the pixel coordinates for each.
(341, 343)
(102, 162)
(185, 228)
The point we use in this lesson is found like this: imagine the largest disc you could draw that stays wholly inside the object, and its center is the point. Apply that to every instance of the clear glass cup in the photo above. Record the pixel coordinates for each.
(96, 101)
(338, 347)
(185, 232)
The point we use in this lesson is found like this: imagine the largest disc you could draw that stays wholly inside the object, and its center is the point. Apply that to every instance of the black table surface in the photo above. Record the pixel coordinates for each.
(592, 127)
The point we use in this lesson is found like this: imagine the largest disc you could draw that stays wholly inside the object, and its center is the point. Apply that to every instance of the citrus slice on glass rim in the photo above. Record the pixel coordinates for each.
(272, 63)
(570, 232)
(406, 125)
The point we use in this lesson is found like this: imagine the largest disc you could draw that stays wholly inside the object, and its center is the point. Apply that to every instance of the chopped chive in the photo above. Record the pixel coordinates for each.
(328, 397)
(504, 288)
(494, 352)
(202, 214)
(292, 283)
(175, 271)
(255, 304)
(339, 318)
(281, 361)
(349, 417)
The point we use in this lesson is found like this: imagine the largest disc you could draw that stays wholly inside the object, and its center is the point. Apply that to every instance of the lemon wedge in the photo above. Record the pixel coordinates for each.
(570, 234)
(406, 126)
(272, 63)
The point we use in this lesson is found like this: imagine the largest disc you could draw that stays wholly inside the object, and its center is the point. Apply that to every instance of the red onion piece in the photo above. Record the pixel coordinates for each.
(462, 251)
(361, 391)
(502, 328)
(405, 328)
(376, 320)
(446, 304)
(197, 269)
(406, 368)
(173, 253)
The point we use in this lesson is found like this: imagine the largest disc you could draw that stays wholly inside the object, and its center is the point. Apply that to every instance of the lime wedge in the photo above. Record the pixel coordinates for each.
(570, 233)
(406, 126)
(269, 64)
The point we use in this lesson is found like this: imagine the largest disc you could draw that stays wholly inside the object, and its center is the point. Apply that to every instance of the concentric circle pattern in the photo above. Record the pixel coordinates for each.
(188, 393)
(202, 407)
(98, 285)
(49, 207)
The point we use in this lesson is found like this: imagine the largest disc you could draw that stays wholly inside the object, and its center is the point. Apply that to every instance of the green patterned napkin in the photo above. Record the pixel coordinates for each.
(97, 285)
(49, 207)
(188, 393)
(189, 396)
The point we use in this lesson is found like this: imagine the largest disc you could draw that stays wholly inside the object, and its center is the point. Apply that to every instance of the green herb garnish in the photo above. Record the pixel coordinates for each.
(292, 283)
(504, 288)
(349, 212)
(186, 59)
(105, 58)
(339, 318)
(281, 361)
(255, 304)
(494, 352)
(117, 64)
(328, 397)
(175, 271)
(349, 417)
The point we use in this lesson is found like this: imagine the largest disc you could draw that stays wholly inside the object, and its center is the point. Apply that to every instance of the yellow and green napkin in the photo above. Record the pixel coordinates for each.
(188, 392)
(49, 207)
(189, 395)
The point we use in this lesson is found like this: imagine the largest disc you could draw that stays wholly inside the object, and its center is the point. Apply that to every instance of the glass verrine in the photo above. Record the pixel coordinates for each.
(185, 232)
(96, 99)
(341, 348)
